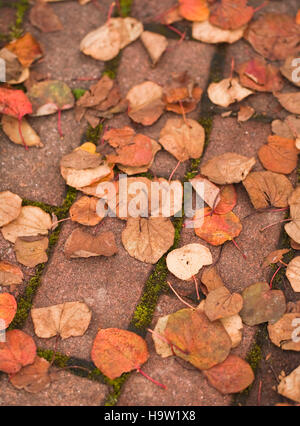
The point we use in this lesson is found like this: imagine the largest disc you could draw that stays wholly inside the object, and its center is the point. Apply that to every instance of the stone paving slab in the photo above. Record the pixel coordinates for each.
(68, 390)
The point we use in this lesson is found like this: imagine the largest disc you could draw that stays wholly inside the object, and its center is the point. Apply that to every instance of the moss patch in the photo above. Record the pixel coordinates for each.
(125, 7)
(93, 134)
(21, 8)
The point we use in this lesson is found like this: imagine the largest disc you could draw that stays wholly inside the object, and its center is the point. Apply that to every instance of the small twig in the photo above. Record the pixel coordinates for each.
(196, 287)
(173, 172)
(259, 393)
(271, 282)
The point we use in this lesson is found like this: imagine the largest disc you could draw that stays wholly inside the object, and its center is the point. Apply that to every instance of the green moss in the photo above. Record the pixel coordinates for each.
(78, 93)
(125, 6)
(117, 385)
(21, 8)
(60, 360)
(93, 134)
(254, 357)
(111, 67)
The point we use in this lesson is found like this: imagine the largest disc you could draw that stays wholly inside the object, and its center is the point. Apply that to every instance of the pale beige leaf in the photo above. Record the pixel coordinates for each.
(156, 44)
(290, 385)
(234, 327)
(84, 177)
(10, 207)
(162, 348)
(208, 33)
(206, 190)
(281, 333)
(227, 92)
(293, 228)
(293, 273)
(10, 126)
(31, 251)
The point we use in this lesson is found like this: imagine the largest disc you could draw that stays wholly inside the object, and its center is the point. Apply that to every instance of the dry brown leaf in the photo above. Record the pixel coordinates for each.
(274, 35)
(289, 67)
(70, 319)
(234, 327)
(206, 190)
(43, 17)
(105, 42)
(280, 155)
(293, 228)
(156, 45)
(162, 347)
(14, 71)
(32, 221)
(145, 103)
(220, 303)
(27, 49)
(293, 273)
(31, 251)
(10, 126)
(82, 244)
(84, 211)
(148, 239)
(10, 274)
(228, 168)
(230, 14)
(290, 101)
(155, 147)
(188, 260)
(208, 33)
(183, 140)
(281, 333)
(245, 113)
(227, 91)
(97, 93)
(211, 279)
(33, 378)
(10, 207)
(293, 307)
(267, 189)
(137, 153)
(290, 385)
(274, 257)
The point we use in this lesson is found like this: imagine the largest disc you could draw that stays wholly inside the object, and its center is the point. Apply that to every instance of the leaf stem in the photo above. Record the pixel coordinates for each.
(196, 287)
(275, 223)
(179, 297)
(239, 248)
(173, 172)
(150, 378)
(271, 282)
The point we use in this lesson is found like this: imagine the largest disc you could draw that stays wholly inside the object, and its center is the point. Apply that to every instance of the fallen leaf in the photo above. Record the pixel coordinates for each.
(82, 244)
(33, 378)
(274, 257)
(196, 339)
(293, 273)
(8, 308)
(137, 153)
(228, 168)
(162, 347)
(293, 307)
(27, 49)
(13, 67)
(211, 279)
(188, 260)
(32, 221)
(155, 44)
(220, 303)
(70, 319)
(129, 170)
(48, 97)
(118, 351)
(280, 155)
(209, 192)
(289, 68)
(262, 304)
(97, 93)
(208, 33)
(289, 386)
(105, 42)
(10, 207)
(230, 14)
(43, 17)
(228, 200)
(290, 101)
(10, 274)
(14, 103)
(10, 126)
(84, 211)
(293, 228)
(298, 17)
(194, 10)
(245, 113)
(18, 351)
(231, 376)
(234, 327)
(227, 91)
(145, 103)
(274, 35)
(170, 16)
(216, 229)
(257, 74)
(182, 139)
(31, 251)
(267, 189)
(281, 333)
(148, 240)
(281, 128)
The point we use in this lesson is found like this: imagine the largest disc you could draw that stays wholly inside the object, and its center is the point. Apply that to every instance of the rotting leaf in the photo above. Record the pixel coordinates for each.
(231, 376)
(16, 352)
(281, 333)
(267, 189)
(10, 207)
(293, 273)
(280, 155)
(33, 378)
(70, 319)
(10, 274)
(230, 14)
(118, 351)
(31, 251)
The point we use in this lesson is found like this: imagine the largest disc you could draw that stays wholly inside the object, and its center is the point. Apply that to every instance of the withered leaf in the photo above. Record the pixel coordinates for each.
(70, 319)
(148, 239)
(293, 228)
(274, 257)
(274, 35)
(10, 126)
(289, 67)
(280, 155)
(268, 189)
(27, 49)
(137, 153)
(84, 211)
(183, 140)
(245, 113)
(16, 352)
(82, 244)
(182, 94)
(290, 385)
(220, 303)
(293, 273)
(209, 192)
(196, 339)
(8, 308)
(188, 260)
(145, 103)
(97, 93)
(281, 333)
(10, 207)
(156, 45)
(228, 168)
(231, 376)
(227, 91)
(10, 274)
(33, 378)
(31, 251)
(43, 17)
(32, 221)
(262, 304)
(258, 75)
(230, 14)
(208, 33)
(118, 351)
(211, 279)
(290, 101)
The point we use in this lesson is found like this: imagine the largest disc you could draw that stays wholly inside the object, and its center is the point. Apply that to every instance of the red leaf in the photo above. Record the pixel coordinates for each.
(18, 350)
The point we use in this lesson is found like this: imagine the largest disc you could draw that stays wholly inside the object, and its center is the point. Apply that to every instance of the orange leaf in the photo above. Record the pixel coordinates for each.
(18, 350)
(228, 200)
(118, 351)
(231, 14)
(8, 308)
(280, 155)
(217, 229)
(298, 17)
(258, 75)
(26, 48)
(194, 10)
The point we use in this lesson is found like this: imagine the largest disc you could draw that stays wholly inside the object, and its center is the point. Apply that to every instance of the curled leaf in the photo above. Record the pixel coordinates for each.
(227, 91)
(281, 333)
(10, 274)
(208, 33)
